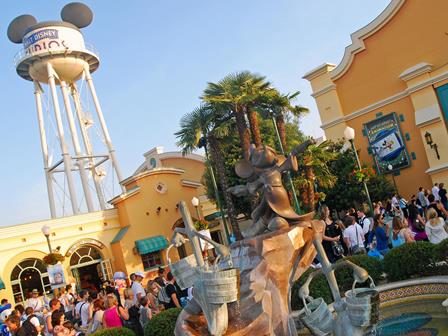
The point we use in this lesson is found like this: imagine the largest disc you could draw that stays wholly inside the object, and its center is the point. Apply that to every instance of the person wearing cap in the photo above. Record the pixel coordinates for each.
(137, 287)
(120, 286)
(35, 301)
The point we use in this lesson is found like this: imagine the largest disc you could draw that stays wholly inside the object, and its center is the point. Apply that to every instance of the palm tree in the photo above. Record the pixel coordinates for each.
(239, 94)
(315, 169)
(280, 107)
(210, 123)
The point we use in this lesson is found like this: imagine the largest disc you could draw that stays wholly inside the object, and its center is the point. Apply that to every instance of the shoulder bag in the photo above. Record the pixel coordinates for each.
(358, 249)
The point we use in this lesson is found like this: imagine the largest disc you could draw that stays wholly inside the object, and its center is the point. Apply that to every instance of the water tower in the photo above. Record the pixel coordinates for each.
(54, 56)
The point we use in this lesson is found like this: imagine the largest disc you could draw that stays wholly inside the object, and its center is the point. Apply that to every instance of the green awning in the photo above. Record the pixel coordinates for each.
(152, 244)
(213, 216)
(2, 284)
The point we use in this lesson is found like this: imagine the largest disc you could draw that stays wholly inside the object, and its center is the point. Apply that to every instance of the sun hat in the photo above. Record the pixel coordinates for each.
(119, 276)
(140, 274)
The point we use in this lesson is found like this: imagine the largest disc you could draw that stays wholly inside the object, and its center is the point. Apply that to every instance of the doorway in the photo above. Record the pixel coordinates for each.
(89, 268)
(89, 277)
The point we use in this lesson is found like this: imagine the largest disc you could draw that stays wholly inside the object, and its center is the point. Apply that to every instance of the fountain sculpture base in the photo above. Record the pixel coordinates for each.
(268, 265)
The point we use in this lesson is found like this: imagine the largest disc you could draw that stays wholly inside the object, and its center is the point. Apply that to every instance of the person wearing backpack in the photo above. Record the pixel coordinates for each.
(172, 292)
(82, 317)
(29, 316)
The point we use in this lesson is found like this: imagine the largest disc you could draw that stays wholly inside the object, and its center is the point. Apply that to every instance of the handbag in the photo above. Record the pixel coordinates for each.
(419, 226)
(337, 248)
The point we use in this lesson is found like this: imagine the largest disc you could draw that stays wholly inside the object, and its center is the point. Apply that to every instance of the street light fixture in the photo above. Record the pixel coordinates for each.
(195, 203)
(46, 230)
(349, 134)
(432, 144)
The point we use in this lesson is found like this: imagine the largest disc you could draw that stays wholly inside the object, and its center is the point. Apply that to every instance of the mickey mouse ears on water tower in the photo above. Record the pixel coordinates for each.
(18, 26)
(75, 13)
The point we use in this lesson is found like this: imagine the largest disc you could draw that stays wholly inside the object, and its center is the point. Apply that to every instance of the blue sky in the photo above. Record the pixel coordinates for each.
(156, 58)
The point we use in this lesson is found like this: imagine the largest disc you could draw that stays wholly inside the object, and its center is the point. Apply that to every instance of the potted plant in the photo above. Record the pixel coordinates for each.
(53, 258)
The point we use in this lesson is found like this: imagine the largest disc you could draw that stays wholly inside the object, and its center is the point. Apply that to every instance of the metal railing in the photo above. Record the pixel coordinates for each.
(23, 54)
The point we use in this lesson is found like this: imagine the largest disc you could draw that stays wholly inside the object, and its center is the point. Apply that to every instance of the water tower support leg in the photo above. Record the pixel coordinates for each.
(44, 146)
(65, 155)
(104, 126)
(87, 146)
(77, 147)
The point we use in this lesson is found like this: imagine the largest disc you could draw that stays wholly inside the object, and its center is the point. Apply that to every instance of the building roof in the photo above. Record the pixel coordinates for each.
(360, 35)
(357, 44)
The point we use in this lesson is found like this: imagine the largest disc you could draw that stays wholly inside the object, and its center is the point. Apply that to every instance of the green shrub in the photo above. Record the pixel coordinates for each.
(372, 265)
(441, 251)
(163, 324)
(319, 286)
(114, 332)
(411, 260)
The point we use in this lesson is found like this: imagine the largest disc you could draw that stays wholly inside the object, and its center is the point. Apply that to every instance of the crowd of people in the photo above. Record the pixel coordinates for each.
(122, 303)
(423, 218)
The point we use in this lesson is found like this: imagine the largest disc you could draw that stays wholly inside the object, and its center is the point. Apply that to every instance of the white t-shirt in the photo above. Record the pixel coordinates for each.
(36, 303)
(394, 202)
(137, 288)
(82, 308)
(435, 192)
(365, 225)
(350, 234)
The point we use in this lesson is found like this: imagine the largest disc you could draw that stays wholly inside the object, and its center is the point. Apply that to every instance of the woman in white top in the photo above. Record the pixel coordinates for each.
(435, 227)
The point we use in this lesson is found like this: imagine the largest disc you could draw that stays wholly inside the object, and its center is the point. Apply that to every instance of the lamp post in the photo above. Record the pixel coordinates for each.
(391, 168)
(349, 134)
(46, 230)
(203, 143)
(195, 203)
(291, 184)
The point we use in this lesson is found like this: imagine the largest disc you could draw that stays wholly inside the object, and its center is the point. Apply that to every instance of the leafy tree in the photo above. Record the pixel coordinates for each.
(348, 191)
(239, 94)
(212, 125)
(280, 107)
(232, 150)
(314, 164)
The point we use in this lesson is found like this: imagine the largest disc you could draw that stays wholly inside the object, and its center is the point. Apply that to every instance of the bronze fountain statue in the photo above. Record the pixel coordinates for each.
(247, 291)
(265, 169)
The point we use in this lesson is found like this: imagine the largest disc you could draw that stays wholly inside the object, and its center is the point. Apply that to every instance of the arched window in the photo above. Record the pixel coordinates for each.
(85, 254)
(29, 274)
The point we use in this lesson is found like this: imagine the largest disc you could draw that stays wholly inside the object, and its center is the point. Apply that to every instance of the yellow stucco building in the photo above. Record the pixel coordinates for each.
(391, 87)
(132, 236)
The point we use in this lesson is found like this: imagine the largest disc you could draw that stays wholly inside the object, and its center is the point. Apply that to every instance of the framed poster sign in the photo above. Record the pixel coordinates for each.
(387, 144)
(56, 276)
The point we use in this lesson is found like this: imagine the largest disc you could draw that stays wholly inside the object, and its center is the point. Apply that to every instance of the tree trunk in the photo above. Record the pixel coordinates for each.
(254, 127)
(281, 126)
(216, 156)
(309, 175)
(243, 132)
(304, 196)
